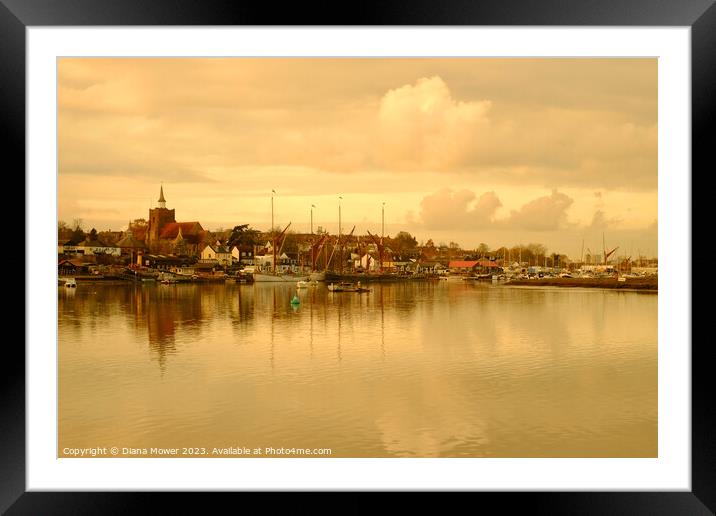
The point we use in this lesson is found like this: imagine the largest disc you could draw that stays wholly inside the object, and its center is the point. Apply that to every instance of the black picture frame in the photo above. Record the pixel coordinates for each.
(700, 15)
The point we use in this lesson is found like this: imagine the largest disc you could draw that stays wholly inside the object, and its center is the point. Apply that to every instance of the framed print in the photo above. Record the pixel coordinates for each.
(417, 253)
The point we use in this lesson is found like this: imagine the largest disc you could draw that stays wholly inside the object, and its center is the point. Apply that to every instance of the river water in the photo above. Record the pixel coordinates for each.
(413, 369)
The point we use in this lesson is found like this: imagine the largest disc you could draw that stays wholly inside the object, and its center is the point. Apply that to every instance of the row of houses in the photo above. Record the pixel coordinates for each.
(369, 262)
(219, 254)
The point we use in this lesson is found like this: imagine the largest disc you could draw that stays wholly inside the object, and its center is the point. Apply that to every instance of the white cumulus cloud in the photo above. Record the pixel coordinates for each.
(423, 125)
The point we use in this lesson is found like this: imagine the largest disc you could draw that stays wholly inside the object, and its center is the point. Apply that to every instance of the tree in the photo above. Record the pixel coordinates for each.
(243, 236)
(63, 230)
(483, 248)
(77, 235)
(537, 249)
(403, 242)
(93, 235)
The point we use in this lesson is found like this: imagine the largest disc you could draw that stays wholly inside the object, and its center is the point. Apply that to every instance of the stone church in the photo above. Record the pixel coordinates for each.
(164, 235)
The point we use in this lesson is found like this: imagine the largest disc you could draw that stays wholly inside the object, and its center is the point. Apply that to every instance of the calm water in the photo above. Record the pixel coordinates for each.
(409, 370)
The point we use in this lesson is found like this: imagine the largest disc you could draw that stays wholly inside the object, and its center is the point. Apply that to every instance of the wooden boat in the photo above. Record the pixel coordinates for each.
(347, 287)
(478, 277)
(268, 277)
(317, 276)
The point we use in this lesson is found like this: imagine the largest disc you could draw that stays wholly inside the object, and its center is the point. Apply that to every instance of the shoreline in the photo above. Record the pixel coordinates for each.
(646, 283)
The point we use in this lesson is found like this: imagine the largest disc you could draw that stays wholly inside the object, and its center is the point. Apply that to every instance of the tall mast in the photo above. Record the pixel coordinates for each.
(382, 235)
(273, 234)
(313, 250)
(604, 249)
(340, 255)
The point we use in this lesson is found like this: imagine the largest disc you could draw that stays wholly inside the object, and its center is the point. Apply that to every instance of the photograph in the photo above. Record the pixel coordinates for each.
(357, 257)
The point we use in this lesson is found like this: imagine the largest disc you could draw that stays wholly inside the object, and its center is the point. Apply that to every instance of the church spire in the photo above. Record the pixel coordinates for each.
(162, 202)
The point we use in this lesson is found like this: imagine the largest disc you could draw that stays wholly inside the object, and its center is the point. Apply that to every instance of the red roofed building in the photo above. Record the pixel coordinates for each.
(165, 235)
(188, 230)
(475, 266)
(139, 232)
(463, 265)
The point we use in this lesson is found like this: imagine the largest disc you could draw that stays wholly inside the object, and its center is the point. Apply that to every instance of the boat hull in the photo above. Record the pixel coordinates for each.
(317, 276)
(346, 287)
(260, 277)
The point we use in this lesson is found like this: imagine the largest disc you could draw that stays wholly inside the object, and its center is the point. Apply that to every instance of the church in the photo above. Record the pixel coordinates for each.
(164, 235)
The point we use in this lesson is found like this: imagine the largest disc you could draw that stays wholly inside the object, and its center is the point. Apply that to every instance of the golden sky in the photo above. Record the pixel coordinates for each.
(501, 151)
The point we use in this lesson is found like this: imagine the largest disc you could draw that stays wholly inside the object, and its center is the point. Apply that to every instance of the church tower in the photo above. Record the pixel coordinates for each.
(158, 218)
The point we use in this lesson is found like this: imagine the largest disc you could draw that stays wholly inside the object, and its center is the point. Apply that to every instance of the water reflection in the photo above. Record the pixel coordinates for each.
(410, 369)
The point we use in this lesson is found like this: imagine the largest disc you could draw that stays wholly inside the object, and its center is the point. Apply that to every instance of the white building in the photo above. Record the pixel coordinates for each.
(216, 253)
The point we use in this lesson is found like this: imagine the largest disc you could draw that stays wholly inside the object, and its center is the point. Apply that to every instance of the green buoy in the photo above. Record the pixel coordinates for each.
(295, 300)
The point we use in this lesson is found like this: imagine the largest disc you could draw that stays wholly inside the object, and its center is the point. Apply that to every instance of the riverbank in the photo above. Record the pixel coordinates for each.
(645, 283)
(93, 278)
(373, 277)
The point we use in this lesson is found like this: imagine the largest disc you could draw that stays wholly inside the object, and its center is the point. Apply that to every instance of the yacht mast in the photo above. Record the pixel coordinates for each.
(273, 235)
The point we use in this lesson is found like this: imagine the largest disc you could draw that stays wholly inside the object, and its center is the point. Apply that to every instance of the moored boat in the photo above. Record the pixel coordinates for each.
(277, 242)
(317, 276)
(278, 277)
(347, 287)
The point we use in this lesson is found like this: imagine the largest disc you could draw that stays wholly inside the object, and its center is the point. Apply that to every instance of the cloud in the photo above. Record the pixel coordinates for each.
(447, 209)
(476, 117)
(423, 126)
(402, 128)
(547, 213)
(601, 223)
(165, 171)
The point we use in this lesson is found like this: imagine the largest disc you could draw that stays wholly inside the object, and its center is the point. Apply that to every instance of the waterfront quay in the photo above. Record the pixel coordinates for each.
(640, 283)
